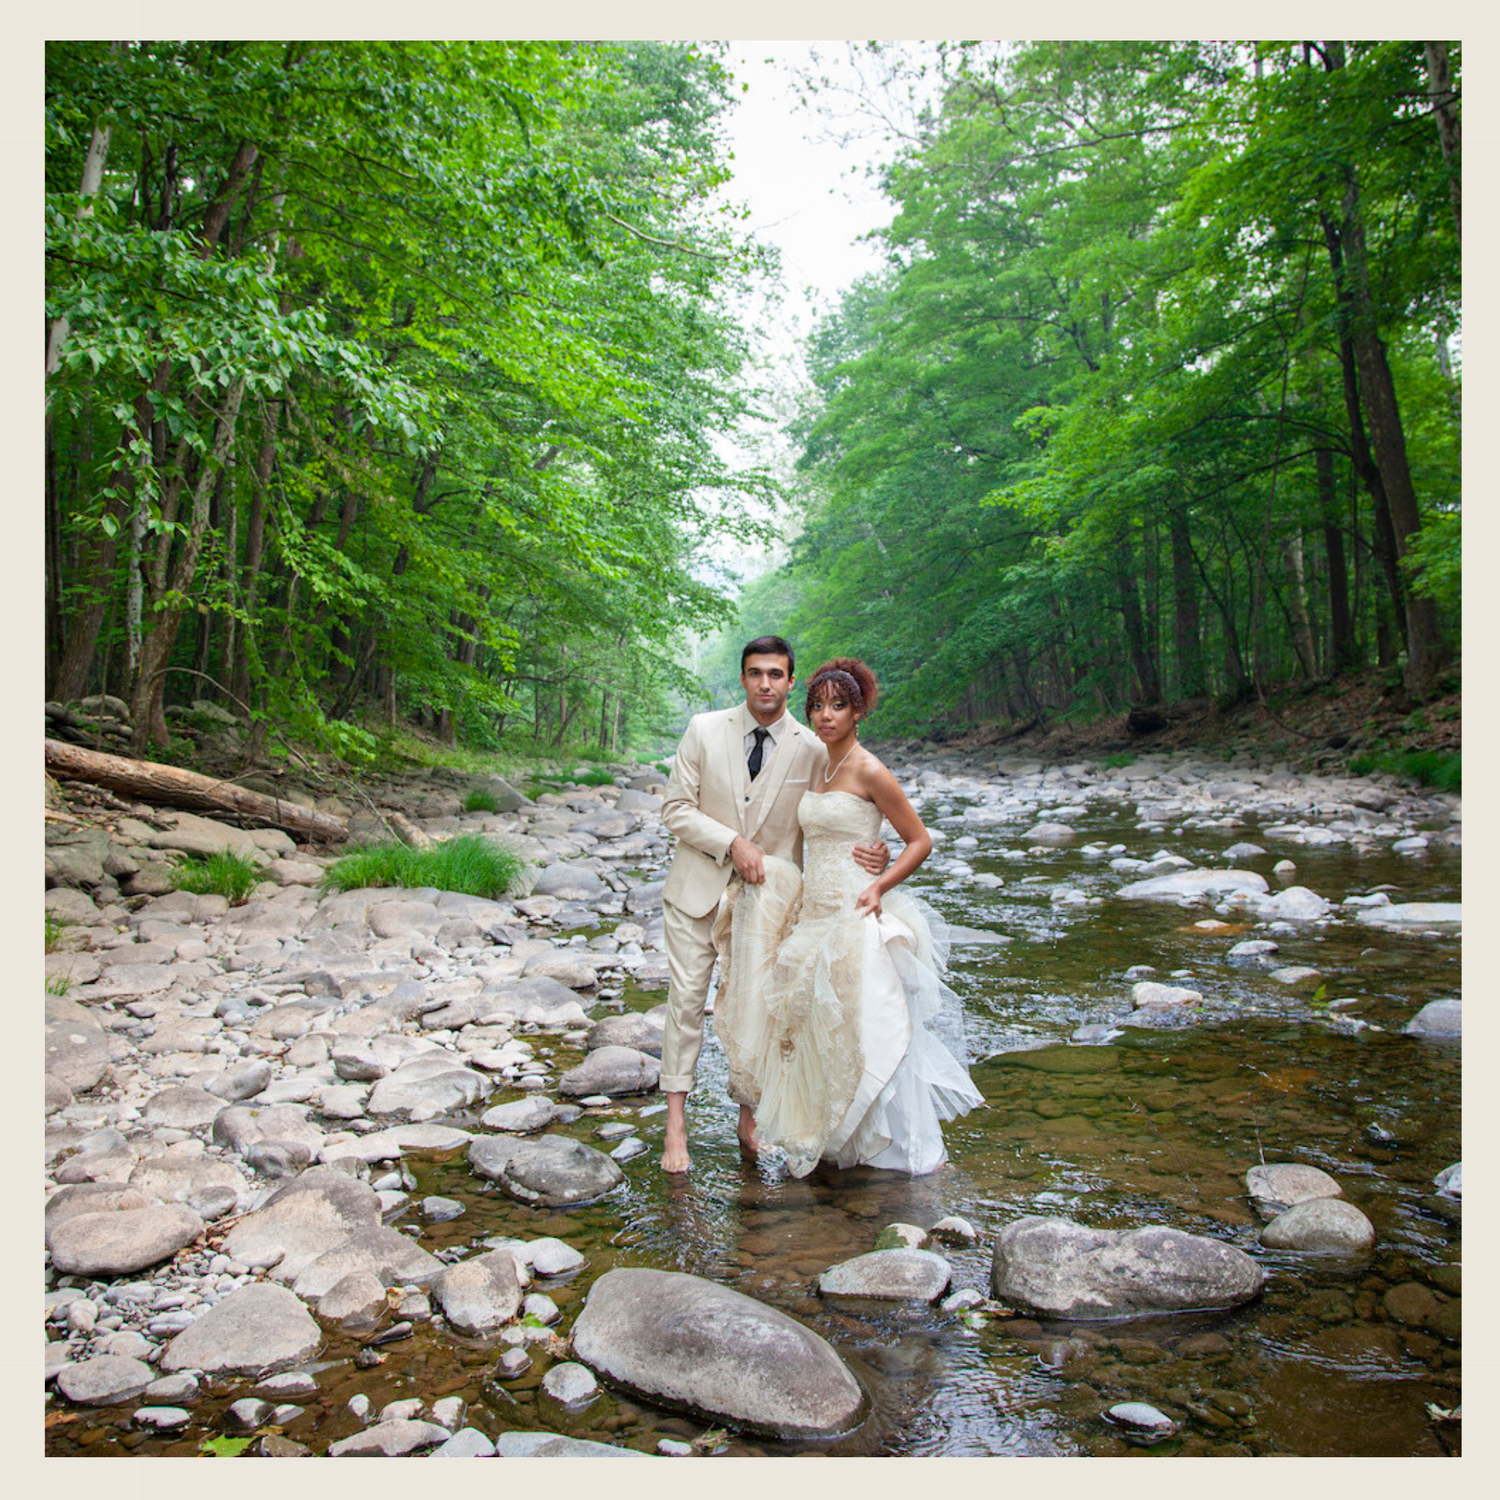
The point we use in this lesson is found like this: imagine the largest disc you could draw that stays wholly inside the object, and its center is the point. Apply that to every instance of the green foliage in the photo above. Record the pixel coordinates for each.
(594, 776)
(1434, 768)
(469, 863)
(59, 984)
(226, 874)
(481, 801)
(1083, 443)
(55, 927)
(397, 368)
(224, 1446)
(1118, 760)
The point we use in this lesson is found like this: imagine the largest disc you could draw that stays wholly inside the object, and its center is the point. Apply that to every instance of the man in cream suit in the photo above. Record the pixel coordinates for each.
(732, 798)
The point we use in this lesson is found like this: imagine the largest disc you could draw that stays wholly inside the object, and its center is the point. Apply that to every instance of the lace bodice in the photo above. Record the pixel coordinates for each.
(832, 824)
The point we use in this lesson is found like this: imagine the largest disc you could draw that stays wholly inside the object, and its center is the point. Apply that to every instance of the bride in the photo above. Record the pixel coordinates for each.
(831, 1009)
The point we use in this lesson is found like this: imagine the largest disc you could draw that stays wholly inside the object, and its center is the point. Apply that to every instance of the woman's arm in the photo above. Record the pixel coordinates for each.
(884, 791)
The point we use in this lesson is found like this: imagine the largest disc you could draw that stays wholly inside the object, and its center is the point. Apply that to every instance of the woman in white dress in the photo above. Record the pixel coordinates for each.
(831, 1009)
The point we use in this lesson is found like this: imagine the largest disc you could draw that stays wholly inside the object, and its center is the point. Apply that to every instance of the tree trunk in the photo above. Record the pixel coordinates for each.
(179, 788)
(1377, 392)
(1296, 605)
(1341, 651)
(1187, 625)
(1146, 675)
(147, 720)
(1445, 112)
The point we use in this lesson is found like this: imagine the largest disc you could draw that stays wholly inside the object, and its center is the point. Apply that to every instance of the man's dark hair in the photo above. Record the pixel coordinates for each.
(769, 645)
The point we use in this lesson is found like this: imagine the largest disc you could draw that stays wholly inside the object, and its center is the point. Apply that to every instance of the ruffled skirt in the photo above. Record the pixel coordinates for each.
(839, 1029)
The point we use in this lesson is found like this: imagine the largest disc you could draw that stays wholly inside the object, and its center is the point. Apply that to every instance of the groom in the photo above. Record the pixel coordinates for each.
(731, 800)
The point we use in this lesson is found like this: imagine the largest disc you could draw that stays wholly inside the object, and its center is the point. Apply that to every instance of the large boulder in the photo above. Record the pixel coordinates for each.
(688, 1344)
(612, 1070)
(302, 1220)
(258, 1329)
(1414, 914)
(118, 1242)
(385, 1252)
(557, 1172)
(1055, 1267)
(639, 1030)
(77, 1047)
(1295, 904)
(570, 882)
(538, 1001)
(429, 1083)
(104, 1380)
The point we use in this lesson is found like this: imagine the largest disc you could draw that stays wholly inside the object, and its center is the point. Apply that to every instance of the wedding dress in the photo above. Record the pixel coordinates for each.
(838, 1028)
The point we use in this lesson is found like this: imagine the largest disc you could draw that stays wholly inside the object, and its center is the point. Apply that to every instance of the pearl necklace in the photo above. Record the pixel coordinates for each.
(829, 775)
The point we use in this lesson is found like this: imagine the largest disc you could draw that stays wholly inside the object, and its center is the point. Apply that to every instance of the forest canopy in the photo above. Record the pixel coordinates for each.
(391, 379)
(1157, 395)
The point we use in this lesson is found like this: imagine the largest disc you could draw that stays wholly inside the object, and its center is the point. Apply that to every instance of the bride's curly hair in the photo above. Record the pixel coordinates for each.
(850, 676)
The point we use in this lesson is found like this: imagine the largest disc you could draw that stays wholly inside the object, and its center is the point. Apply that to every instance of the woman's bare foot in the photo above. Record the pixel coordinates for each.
(674, 1151)
(751, 1144)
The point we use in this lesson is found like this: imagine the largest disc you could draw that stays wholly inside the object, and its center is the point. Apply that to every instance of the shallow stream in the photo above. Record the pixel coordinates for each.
(1157, 1126)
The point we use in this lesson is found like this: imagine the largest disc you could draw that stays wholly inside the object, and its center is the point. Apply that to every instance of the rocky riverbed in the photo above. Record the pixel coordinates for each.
(376, 1172)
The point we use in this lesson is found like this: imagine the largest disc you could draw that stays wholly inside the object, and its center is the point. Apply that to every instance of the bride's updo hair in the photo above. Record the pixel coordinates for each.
(849, 676)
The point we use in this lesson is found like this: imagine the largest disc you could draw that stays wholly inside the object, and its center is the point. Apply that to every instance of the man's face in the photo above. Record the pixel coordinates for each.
(766, 682)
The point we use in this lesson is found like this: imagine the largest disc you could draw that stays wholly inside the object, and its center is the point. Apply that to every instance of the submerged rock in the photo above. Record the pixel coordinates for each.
(691, 1345)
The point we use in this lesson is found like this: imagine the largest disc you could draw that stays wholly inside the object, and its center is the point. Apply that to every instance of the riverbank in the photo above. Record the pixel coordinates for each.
(332, 1104)
(1322, 726)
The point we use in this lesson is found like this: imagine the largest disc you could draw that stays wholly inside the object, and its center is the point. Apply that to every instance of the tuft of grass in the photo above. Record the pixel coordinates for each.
(480, 801)
(225, 874)
(1431, 768)
(470, 863)
(1119, 760)
(59, 984)
(56, 926)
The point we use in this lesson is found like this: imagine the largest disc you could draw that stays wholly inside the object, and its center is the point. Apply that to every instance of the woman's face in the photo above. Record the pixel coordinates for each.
(833, 715)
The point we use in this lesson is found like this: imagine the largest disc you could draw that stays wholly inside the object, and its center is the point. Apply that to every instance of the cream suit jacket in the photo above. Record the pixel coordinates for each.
(711, 800)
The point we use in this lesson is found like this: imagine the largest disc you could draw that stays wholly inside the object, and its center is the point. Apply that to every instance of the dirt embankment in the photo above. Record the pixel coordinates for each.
(1316, 725)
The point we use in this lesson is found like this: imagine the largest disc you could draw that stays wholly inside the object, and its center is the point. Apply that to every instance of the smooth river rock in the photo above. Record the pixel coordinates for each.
(303, 1220)
(1441, 1018)
(118, 1242)
(611, 1070)
(557, 1172)
(77, 1047)
(893, 1275)
(1276, 1186)
(1196, 885)
(258, 1329)
(480, 1294)
(1055, 1266)
(689, 1344)
(1320, 1224)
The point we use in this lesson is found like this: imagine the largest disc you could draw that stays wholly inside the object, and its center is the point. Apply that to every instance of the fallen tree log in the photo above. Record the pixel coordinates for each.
(154, 782)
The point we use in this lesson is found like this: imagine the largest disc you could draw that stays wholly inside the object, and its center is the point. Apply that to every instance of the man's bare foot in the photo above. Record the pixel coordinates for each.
(751, 1144)
(674, 1151)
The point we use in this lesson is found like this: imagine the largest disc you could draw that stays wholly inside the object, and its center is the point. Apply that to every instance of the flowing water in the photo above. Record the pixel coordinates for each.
(1337, 1356)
